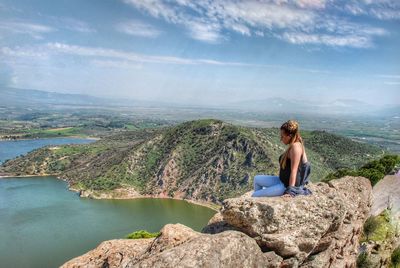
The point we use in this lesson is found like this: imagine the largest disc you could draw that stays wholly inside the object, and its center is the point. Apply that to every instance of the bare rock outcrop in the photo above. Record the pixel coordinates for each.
(320, 230)
(178, 246)
(227, 249)
(111, 253)
(386, 194)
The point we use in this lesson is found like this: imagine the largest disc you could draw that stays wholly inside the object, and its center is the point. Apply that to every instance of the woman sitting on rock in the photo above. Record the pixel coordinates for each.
(294, 167)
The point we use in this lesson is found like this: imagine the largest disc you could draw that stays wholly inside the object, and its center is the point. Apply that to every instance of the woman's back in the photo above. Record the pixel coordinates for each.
(284, 173)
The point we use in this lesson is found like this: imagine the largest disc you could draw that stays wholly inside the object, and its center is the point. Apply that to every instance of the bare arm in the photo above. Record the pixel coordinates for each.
(295, 156)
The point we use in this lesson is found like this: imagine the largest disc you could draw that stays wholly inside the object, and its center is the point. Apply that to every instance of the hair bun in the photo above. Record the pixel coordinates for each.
(292, 126)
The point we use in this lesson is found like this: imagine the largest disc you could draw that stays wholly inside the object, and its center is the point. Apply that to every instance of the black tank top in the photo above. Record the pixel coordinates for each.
(284, 174)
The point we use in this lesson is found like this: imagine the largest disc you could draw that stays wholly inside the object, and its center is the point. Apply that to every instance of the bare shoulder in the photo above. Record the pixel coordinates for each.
(296, 150)
(297, 147)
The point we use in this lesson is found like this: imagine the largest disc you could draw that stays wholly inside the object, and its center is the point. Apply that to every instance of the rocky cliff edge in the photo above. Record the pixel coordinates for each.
(320, 230)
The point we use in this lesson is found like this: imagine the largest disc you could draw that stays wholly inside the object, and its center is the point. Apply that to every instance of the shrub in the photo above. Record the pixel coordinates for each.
(340, 173)
(395, 257)
(363, 261)
(374, 170)
(370, 226)
(101, 184)
(372, 174)
(142, 234)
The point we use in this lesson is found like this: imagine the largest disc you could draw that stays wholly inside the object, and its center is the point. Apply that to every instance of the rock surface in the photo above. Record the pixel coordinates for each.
(321, 230)
(177, 246)
(317, 230)
(112, 253)
(386, 193)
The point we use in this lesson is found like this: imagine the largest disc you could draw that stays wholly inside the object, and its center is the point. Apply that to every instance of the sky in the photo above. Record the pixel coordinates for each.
(204, 51)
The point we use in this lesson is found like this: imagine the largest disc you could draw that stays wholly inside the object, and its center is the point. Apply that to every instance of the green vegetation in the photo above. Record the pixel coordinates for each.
(339, 152)
(54, 132)
(379, 228)
(395, 258)
(363, 261)
(207, 159)
(370, 226)
(374, 170)
(142, 234)
(101, 184)
(27, 123)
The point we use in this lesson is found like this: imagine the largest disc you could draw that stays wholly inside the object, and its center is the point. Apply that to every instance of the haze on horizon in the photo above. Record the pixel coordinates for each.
(204, 52)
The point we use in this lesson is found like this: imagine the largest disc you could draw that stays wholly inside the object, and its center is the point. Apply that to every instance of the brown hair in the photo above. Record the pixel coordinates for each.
(291, 128)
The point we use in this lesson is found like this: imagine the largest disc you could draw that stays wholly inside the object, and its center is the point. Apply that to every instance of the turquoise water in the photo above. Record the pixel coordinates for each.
(42, 224)
(12, 149)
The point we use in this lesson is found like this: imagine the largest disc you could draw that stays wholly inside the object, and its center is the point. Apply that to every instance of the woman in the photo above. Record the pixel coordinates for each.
(291, 163)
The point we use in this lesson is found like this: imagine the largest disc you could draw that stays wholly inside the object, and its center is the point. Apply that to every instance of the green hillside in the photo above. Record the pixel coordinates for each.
(207, 160)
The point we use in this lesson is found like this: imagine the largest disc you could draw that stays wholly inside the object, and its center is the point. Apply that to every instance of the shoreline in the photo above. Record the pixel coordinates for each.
(212, 206)
(56, 137)
(24, 176)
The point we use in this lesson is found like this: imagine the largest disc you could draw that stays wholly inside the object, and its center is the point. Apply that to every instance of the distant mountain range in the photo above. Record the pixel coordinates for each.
(30, 97)
(336, 107)
(14, 96)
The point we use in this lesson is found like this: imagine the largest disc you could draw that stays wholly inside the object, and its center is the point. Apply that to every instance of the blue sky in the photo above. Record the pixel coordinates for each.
(205, 52)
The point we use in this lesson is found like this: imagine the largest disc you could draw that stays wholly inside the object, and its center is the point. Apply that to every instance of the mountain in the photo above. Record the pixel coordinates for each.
(301, 106)
(16, 96)
(207, 160)
(35, 98)
(272, 105)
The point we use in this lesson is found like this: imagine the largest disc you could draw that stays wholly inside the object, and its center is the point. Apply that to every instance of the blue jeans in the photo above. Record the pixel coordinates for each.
(267, 185)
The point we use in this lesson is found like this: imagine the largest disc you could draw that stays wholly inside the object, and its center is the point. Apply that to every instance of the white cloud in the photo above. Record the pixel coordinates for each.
(19, 52)
(20, 27)
(392, 83)
(54, 53)
(393, 76)
(137, 28)
(336, 34)
(385, 14)
(102, 55)
(311, 3)
(204, 32)
(294, 21)
(394, 79)
(156, 8)
(119, 64)
(330, 40)
(260, 15)
(75, 25)
(379, 9)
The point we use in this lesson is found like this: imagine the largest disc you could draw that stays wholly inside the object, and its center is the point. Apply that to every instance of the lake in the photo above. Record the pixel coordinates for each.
(43, 224)
(12, 149)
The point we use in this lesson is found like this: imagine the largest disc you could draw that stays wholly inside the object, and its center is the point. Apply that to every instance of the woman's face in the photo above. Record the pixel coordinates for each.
(285, 138)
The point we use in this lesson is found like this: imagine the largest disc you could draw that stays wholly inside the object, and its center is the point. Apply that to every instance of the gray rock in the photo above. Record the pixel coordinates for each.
(227, 249)
(304, 225)
(112, 253)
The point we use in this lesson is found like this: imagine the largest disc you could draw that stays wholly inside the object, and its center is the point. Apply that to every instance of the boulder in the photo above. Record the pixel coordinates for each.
(178, 246)
(322, 228)
(227, 249)
(111, 253)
